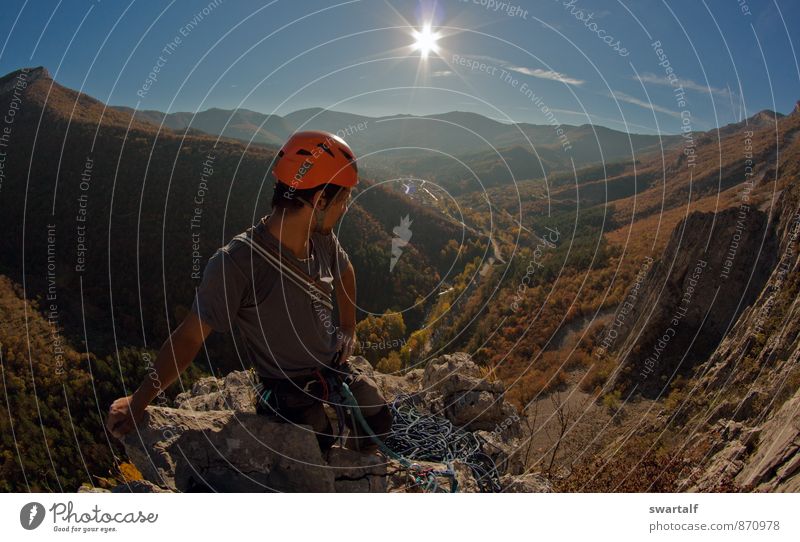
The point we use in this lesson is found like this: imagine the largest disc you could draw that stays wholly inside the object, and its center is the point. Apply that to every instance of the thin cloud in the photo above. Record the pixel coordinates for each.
(550, 75)
(622, 97)
(688, 84)
(545, 74)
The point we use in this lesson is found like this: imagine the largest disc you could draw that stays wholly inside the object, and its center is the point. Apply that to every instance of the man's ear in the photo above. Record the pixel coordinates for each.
(319, 200)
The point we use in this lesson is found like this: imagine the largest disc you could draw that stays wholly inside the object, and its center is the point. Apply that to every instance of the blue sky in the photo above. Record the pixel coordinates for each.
(577, 61)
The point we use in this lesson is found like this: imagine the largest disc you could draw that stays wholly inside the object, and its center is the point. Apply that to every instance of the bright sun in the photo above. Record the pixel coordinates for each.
(425, 41)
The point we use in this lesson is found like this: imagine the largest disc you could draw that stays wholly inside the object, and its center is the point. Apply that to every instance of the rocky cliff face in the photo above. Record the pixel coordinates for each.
(212, 440)
(717, 333)
(714, 266)
(749, 389)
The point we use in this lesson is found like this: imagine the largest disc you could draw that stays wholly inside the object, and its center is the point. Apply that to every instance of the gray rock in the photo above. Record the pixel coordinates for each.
(466, 480)
(225, 451)
(235, 392)
(89, 489)
(527, 483)
(354, 472)
(507, 455)
(776, 463)
(140, 486)
(474, 409)
(453, 386)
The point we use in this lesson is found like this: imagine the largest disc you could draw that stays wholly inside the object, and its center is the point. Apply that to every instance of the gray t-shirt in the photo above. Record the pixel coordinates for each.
(285, 333)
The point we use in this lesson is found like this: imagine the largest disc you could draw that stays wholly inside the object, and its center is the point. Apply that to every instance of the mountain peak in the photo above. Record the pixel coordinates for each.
(766, 115)
(27, 75)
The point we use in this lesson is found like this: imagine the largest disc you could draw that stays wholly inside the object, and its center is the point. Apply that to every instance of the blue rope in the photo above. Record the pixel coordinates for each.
(431, 483)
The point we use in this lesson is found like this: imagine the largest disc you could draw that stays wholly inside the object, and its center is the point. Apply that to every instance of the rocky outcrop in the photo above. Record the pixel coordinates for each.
(234, 392)
(19, 79)
(224, 450)
(751, 384)
(214, 441)
(714, 267)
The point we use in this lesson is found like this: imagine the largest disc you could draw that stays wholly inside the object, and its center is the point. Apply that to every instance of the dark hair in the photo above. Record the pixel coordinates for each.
(285, 197)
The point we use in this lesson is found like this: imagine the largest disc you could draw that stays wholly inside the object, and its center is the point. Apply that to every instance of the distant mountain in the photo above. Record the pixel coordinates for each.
(240, 124)
(762, 119)
(456, 133)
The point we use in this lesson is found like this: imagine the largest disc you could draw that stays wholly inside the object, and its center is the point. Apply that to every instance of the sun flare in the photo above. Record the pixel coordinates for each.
(426, 41)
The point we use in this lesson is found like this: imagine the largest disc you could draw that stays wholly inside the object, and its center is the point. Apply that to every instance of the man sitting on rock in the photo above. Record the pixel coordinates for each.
(275, 282)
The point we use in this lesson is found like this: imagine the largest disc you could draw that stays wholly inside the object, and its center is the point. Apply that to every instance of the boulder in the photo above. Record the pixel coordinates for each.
(235, 392)
(453, 386)
(184, 450)
(354, 472)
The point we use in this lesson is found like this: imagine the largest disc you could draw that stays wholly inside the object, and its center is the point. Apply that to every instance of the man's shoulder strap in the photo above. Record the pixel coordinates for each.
(289, 270)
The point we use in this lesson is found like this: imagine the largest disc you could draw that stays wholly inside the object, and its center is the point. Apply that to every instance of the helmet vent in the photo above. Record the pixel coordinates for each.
(326, 149)
(350, 159)
(304, 152)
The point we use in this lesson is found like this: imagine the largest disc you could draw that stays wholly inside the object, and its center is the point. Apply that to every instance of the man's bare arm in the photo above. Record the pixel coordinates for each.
(346, 298)
(175, 355)
(346, 301)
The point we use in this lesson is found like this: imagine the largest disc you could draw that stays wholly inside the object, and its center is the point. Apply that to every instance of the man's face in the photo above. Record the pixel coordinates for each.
(336, 208)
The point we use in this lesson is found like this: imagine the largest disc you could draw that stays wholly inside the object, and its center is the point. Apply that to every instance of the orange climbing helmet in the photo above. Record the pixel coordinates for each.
(311, 158)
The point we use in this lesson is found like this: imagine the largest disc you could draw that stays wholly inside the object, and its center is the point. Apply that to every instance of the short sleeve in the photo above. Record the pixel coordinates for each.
(220, 293)
(339, 257)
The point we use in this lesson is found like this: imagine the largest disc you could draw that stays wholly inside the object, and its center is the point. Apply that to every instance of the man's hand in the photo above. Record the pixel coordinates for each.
(175, 355)
(123, 415)
(345, 343)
